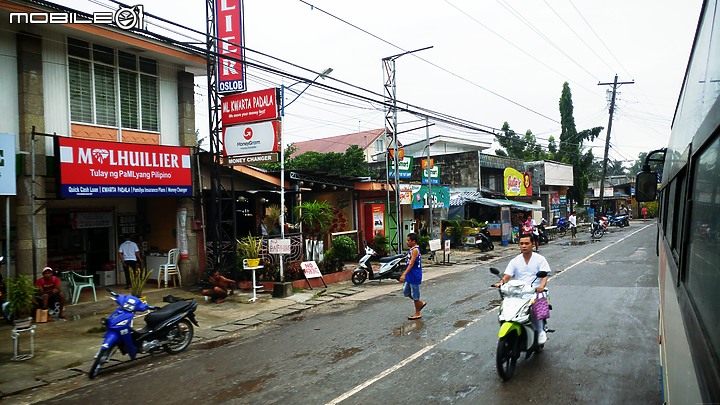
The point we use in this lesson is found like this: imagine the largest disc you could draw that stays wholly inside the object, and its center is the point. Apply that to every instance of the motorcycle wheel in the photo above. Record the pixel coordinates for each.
(359, 277)
(103, 356)
(491, 247)
(598, 233)
(506, 358)
(562, 231)
(179, 336)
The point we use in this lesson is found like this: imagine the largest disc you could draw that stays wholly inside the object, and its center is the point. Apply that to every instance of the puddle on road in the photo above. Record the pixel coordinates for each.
(406, 329)
(345, 353)
(461, 323)
(297, 318)
(474, 312)
(240, 388)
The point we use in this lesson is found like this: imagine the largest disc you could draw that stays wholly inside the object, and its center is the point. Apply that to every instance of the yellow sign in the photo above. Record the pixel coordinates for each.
(514, 183)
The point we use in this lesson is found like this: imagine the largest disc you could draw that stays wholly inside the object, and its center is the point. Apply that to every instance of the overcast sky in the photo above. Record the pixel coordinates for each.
(491, 62)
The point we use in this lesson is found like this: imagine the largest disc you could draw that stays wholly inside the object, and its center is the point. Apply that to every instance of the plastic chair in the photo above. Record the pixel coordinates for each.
(66, 277)
(170, 269)
(78, 282)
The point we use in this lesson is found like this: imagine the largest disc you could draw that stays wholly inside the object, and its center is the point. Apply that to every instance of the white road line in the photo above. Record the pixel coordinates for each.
(426, 349)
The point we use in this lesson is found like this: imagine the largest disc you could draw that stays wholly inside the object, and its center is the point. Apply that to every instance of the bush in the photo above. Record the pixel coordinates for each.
(424, 243)
(652, 207)
(331, 262)
(344, 248)
(380, 245)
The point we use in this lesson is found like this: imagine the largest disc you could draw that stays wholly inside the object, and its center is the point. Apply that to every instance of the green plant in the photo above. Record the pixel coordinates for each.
(317, 216)
(21, 296)
(138, 278)
(652, 207)
(345, 248)
(424, 243)
(380, 245)
(272, 218)
(456, 232)
(249, 247)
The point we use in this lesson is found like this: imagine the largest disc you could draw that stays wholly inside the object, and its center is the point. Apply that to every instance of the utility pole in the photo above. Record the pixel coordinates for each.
(607, 137)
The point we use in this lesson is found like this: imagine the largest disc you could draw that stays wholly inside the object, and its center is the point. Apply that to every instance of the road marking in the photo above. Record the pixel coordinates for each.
(426, 349)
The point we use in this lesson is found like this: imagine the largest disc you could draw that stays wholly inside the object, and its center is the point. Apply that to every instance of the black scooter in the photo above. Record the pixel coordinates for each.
(483, 240)
(542, 237)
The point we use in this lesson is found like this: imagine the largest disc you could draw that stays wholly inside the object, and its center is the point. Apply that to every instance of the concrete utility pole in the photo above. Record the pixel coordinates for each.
(607, 138)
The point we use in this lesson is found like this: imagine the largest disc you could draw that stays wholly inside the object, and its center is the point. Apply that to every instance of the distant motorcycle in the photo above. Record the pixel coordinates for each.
(562, 226)
(391, 267)
(483, 240)
(619, 221)
(542, 234)
(597, 230)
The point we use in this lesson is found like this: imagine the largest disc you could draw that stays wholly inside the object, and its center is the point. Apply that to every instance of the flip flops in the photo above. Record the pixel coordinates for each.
(413, 317)
(423, 306)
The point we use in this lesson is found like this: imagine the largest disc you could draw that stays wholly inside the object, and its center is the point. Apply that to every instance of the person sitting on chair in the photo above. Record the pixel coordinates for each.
(49, 288)
(221, 285)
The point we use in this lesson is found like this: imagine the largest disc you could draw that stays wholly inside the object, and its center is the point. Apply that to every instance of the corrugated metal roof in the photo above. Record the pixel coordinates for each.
(475, 197)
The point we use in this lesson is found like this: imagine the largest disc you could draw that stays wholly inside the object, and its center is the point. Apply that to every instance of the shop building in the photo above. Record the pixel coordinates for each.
(116, 98)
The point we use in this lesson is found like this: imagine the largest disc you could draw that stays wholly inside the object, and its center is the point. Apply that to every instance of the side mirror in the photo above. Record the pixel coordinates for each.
(541, 274)
(494, 271)
(646, 186)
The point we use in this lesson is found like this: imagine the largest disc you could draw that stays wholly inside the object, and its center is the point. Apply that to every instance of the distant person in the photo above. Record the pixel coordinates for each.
(50, 291)
(129, 257)
(623, 210)
(412, 276)
(643, 211)
(573, 225)
(221, 286)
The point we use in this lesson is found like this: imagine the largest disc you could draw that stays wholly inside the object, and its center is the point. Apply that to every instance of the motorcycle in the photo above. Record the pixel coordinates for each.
(562, 226)
(516, 333)
(169, 328)
(542, 234)
(390, 267)
(597, 230)
(619, 221)
(483, 240)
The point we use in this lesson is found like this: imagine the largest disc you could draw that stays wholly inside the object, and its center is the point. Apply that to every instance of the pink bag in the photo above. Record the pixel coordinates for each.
(541, 307)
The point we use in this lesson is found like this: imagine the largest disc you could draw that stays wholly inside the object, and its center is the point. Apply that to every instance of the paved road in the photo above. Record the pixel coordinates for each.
(359, 351)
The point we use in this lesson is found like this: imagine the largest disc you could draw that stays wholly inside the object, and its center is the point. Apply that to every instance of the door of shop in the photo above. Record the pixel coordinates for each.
(97, 248)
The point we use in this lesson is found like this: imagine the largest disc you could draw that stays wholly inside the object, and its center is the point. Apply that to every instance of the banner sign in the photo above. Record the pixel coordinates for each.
(230, 42)
(378, 218)
(85, 220)
(279, 246)
(114, 169)
(434, 175)
(8, 181)
(310, 269)
(609, 192)
(253, 159)
(258, 137)
(440, 197)
(252, 106)
(516, 183)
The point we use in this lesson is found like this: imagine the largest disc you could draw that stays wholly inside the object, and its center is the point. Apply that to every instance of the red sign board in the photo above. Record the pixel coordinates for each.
(253, 138)
(250, 107)
(310, 269)
(228, 20)
(114, 169)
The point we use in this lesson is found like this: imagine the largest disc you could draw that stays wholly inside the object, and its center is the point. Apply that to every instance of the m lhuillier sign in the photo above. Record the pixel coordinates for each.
(113, 169)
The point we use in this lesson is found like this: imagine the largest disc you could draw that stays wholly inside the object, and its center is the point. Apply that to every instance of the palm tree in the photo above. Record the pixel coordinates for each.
(317, 217)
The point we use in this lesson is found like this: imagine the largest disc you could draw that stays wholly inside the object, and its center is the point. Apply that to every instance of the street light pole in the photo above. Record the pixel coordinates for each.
(429, 174)
(320, 75)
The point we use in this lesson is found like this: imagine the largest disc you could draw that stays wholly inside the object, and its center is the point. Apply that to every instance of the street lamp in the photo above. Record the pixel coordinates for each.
(283, 87)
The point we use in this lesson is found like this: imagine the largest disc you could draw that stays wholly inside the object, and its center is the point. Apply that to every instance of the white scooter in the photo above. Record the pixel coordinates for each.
(516, 333)
(390, 267)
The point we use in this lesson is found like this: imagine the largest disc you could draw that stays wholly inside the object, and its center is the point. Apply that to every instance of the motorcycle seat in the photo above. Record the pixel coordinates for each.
(168, 311)
(391, 258)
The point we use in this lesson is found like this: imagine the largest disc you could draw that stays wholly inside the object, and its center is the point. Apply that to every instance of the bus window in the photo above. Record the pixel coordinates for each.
(703, 259)
(677, 214)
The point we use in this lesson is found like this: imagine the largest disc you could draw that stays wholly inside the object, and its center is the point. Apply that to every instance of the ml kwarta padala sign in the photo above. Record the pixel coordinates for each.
(517, 184)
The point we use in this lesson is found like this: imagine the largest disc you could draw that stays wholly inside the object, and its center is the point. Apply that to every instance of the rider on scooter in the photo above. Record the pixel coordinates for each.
(524, 267)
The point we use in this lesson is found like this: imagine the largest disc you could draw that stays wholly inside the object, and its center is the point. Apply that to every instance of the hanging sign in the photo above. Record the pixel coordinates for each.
(8, 179)
(515, 183)
(434, 175)
(258, 137)
(252, 106)
(279, 246)
(230, 45)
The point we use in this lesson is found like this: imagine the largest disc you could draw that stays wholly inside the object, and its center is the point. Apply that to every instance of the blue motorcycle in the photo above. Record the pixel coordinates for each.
(562, 226)
(619, 220)
(169, 328)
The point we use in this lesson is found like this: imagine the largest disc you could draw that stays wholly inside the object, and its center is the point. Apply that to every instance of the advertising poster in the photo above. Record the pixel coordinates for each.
(378, 216)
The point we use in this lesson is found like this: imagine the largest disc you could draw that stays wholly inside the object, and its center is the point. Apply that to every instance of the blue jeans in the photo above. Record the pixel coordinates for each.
(412, 291)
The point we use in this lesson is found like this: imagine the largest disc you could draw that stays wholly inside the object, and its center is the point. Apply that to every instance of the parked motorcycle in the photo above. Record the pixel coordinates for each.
(516, 333)
(597, 230)
(562, 226)
(619, 221)
(604, 221)
(169, 328)
(542, 234)
(391, 267)
(483, 240)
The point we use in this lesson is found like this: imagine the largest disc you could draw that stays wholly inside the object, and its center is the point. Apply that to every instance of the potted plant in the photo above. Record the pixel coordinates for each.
(21, 298)
(138, 277)
(249, 248)
(272, 219)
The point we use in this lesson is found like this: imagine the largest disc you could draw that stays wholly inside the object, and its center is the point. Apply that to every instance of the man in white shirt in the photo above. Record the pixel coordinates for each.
(129, 257)
(573, 224)
(523, 267)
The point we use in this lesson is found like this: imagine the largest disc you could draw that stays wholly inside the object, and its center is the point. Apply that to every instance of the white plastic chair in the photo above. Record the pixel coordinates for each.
(170, 269)
(79, 282)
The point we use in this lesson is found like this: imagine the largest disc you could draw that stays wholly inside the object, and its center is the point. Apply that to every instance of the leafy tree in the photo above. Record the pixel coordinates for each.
(637, 166)
(351, 163)
(521, 147)
(571, 149)
(615, 168)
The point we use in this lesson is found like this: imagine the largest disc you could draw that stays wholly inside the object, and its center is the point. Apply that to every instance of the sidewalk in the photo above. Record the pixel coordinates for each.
(65, 350)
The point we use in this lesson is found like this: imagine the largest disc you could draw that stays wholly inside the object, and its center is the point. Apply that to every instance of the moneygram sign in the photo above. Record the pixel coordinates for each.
(125, 17)
(230, 70)
(114, 169)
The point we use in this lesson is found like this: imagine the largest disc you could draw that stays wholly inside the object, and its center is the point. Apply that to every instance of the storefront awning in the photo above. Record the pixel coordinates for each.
(474, 197)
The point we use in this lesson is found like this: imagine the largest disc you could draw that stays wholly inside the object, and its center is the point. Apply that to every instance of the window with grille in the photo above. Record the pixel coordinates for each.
(112, 88)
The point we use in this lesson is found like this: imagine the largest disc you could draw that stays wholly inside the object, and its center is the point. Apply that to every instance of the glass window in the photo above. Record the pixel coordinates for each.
(80, 91)
(129, 99)
(78, 48)
(703, 268)
(127, 60)
(149, 102)
(105, 96)
(148, 66)
(103, 54)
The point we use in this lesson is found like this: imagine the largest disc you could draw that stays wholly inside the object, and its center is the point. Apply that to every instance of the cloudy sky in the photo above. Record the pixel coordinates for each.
(491, 61)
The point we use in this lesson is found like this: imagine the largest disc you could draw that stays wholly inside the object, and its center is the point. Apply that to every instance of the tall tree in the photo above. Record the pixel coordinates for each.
(517, 146)
(570, 149)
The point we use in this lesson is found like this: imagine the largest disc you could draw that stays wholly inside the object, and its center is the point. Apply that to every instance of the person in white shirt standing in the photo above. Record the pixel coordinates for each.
(129, 257)
(573, 224)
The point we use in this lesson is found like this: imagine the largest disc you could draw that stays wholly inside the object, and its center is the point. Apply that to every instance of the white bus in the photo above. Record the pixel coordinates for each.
(689, 226)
